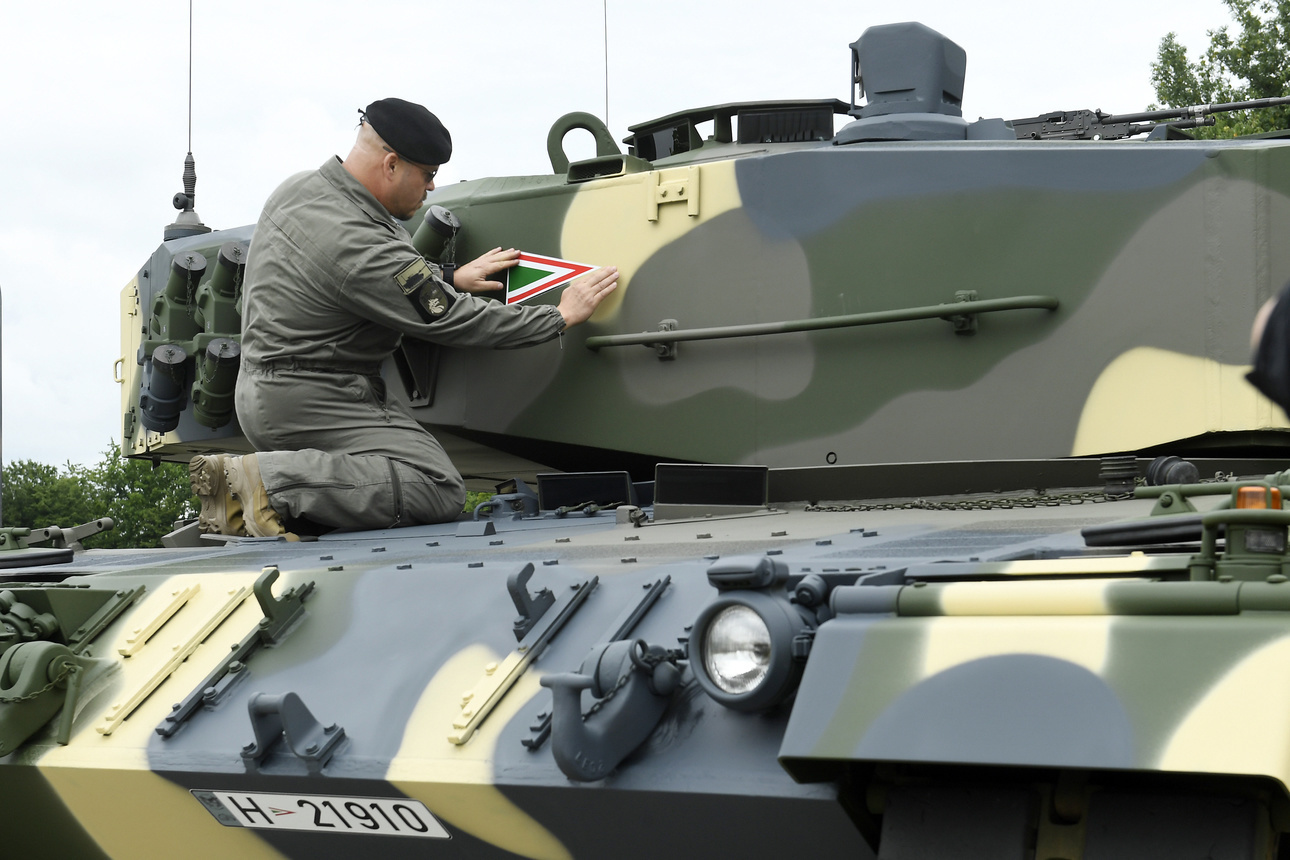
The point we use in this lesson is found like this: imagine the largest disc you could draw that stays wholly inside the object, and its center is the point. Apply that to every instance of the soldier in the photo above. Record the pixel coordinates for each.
(332, 285)
(1270, 342)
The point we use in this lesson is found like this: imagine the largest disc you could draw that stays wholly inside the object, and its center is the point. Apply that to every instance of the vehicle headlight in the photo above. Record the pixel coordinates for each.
(741, 649)
(736, 649)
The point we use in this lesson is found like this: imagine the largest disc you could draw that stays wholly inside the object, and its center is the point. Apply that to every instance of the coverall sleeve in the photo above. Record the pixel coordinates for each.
(394, 286)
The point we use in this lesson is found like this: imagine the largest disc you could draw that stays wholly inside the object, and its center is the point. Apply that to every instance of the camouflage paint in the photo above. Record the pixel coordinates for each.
(1159, 253)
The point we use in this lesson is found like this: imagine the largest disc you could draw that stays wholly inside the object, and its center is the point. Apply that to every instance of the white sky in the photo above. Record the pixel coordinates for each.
(93, 101)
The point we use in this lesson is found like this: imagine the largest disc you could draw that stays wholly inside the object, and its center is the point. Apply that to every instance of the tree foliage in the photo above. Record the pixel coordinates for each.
(1250, 63)
(143, 501)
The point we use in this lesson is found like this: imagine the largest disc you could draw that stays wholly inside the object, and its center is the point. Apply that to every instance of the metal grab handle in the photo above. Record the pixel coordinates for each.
(948, 311)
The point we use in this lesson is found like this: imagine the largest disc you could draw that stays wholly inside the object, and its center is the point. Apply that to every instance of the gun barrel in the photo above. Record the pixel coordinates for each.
(1195, 111)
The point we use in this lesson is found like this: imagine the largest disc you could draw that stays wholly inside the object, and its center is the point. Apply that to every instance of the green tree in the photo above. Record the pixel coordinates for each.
(144, 501)
(1248, 64)
(37, 495)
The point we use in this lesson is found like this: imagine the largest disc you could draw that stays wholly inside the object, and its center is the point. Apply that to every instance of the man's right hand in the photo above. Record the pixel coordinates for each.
(582, 296)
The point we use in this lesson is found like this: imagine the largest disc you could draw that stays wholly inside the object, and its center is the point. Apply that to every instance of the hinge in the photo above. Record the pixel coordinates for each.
(672, 186)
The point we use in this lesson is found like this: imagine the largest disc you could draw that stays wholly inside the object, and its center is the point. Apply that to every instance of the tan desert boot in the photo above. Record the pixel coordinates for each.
(243, 474)
(221, 512)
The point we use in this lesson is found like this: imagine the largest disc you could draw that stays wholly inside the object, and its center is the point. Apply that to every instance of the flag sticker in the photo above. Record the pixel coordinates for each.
(537, 273)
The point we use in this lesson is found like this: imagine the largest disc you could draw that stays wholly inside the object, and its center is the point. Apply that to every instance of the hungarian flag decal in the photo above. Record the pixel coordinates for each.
(537, 273)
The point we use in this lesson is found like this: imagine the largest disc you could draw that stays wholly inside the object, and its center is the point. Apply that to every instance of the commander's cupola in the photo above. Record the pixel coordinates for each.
(912, 79)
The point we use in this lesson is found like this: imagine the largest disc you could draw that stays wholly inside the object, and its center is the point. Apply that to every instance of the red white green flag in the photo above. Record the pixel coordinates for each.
(536, 274)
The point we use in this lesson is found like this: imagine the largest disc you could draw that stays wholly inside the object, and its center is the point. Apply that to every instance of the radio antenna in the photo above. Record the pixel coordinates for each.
(190, 77)
(187, 223)
(604, 9)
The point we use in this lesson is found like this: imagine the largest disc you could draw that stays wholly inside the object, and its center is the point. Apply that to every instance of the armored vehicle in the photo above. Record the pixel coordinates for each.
(881, 547)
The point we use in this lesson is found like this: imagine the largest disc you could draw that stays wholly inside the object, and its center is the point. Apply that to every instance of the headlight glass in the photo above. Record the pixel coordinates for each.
(736, 649)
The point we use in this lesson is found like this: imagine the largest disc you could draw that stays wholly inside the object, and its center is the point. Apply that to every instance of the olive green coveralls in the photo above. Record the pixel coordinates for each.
(332, 284)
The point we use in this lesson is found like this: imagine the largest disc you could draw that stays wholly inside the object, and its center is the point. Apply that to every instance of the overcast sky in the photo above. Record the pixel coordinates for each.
(94, 106)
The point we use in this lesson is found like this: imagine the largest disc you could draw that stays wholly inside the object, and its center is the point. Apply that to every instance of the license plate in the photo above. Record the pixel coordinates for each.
(322, 813)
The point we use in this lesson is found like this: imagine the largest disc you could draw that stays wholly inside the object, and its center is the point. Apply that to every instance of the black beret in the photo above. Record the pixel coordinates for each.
(410, 130)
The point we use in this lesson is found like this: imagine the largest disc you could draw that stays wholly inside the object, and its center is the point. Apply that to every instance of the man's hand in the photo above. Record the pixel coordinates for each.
(473, 276)
(581, 297)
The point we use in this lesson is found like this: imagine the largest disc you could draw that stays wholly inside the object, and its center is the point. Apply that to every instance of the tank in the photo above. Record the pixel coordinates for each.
(905, 501)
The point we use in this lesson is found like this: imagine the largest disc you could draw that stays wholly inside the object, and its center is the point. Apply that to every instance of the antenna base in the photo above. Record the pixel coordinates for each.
(187, 223)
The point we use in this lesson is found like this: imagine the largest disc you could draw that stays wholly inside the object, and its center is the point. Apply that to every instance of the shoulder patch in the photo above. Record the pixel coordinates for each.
(413, 275)
(417, 281)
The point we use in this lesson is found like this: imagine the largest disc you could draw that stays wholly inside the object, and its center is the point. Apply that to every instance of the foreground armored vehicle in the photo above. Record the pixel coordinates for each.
(953, 658)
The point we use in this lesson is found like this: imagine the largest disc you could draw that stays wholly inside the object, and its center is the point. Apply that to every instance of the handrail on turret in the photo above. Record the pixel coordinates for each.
(961, 313)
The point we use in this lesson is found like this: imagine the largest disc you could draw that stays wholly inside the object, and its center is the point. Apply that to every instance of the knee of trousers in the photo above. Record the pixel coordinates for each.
(429, 499)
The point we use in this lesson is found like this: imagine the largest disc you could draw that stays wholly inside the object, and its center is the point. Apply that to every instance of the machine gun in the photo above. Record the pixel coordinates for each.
(1095, 125)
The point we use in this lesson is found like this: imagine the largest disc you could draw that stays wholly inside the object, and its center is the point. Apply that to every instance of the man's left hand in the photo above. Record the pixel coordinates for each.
(473, 277)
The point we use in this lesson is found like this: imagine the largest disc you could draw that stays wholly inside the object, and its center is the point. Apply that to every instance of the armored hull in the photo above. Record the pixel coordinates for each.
(959, 674)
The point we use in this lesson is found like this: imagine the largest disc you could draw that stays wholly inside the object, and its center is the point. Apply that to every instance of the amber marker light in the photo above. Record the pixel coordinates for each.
(1252, 498)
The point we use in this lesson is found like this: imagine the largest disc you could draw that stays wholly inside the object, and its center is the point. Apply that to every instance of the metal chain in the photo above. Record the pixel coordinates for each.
(601, 702)
(644, 662)
(988, 504)
(66, 672)
(1003, 502)
(190, 305)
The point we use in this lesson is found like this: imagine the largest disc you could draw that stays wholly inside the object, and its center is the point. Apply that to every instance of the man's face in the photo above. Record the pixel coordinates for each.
(412, 182)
